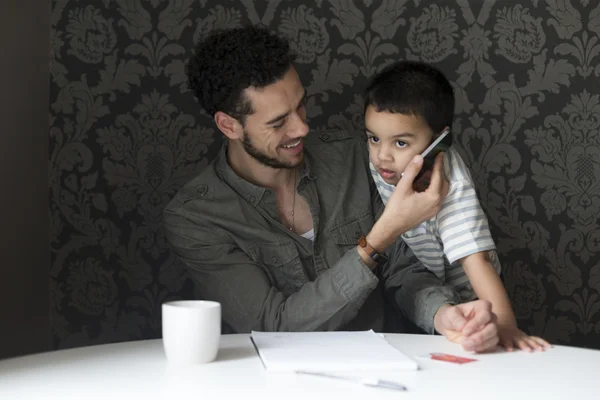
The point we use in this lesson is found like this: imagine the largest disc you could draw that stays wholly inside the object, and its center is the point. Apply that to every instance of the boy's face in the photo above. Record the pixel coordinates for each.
(394, 139)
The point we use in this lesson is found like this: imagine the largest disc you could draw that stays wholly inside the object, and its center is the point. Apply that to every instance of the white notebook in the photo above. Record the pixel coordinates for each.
(328, 352)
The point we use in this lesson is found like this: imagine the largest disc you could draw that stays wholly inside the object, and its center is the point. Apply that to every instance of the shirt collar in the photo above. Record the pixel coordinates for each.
(251, 192)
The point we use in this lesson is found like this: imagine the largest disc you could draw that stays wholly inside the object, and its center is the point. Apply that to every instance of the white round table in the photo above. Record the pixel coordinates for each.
(138, 370)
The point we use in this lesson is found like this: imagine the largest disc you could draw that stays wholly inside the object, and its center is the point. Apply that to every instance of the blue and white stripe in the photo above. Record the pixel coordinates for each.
(460, 228)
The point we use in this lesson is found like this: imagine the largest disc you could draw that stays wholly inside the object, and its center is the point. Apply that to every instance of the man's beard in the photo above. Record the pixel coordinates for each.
(262, 157)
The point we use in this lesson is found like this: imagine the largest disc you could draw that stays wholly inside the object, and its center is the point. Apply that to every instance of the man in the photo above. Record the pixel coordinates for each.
(285, 228)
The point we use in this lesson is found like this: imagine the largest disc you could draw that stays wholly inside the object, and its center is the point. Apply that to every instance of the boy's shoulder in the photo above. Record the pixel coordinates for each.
(455, 168)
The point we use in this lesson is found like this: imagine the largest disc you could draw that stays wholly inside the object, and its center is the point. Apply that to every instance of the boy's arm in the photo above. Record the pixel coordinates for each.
(464, 230)
(488, 286)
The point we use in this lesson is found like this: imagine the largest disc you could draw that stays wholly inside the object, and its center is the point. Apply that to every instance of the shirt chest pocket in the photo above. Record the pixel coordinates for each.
(281, 263)
(347, 233)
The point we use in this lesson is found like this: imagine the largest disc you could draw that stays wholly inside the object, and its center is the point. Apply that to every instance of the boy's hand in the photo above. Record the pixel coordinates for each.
(512, 338)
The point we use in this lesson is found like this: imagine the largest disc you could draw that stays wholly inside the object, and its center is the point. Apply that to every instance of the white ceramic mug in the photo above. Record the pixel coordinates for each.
(191, 331)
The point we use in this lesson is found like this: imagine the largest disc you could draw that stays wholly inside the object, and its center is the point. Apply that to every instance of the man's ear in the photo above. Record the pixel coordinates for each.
(230, 126)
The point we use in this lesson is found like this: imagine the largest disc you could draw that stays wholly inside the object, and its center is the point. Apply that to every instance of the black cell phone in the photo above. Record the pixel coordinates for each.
(441, 144)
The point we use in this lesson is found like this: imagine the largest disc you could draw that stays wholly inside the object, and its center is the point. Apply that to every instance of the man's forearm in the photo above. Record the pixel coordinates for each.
(329, 302)
(428, 302)
(383, 236)
(416, 291)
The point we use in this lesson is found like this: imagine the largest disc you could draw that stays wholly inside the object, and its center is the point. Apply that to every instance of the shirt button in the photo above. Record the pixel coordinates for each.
(202, 189)
(274, 259)
(252, 199)
(357, 235)
(325, 137)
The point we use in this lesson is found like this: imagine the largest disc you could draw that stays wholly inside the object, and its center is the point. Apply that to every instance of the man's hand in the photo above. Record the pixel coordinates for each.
(472, 324)
(415, 207)
(407, 208)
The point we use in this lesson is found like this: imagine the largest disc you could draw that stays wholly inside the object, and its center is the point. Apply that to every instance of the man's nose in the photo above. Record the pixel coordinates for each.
(300, 128)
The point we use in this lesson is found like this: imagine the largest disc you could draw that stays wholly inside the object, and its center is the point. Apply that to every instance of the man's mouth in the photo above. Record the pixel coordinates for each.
(292, 145)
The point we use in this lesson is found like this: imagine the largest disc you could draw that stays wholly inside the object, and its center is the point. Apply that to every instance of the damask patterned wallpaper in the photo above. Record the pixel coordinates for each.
(126, 134)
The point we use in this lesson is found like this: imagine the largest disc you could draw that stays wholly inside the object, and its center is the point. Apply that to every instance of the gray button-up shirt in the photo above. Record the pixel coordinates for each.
(228, 234)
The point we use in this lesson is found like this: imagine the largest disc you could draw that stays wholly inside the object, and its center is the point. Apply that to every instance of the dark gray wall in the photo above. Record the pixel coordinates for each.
(24, 252)
(126, 134)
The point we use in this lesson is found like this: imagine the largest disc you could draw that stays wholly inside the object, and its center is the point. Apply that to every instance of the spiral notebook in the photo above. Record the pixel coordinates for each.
(328, 352)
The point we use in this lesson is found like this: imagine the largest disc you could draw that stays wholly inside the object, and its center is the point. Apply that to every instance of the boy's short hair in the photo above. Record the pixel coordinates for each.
(413, 88)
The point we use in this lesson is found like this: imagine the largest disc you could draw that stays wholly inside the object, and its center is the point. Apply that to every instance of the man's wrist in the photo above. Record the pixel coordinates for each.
(438, 324)
(366, 258)
(369, 254)
(381, 236)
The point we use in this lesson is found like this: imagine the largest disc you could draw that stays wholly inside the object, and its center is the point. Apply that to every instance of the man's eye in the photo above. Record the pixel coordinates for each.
(303, 101)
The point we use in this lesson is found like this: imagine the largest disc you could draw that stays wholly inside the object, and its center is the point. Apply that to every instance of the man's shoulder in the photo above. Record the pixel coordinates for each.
(335, 144)
(323, 138)
(200, 188)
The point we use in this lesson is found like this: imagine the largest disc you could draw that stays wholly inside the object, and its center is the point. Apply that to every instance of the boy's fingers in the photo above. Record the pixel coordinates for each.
(545, 344)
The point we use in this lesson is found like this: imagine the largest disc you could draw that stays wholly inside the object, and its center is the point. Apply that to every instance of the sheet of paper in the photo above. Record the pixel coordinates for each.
(328, 352)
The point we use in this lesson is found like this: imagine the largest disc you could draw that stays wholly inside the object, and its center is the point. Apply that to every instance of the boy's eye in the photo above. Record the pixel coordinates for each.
(373, 139)
(400, 143)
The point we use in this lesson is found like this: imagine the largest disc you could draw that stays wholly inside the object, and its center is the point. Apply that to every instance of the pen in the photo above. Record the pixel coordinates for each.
(380, 383)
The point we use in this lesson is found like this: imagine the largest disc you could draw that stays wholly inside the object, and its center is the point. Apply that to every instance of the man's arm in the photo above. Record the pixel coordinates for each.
(226, 274)
(414, 289)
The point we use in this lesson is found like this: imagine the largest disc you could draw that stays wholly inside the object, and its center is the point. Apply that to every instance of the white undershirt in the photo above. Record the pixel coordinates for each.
(310, 235)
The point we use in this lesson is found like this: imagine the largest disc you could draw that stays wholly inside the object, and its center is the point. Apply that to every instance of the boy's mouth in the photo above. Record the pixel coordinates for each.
(386, 173)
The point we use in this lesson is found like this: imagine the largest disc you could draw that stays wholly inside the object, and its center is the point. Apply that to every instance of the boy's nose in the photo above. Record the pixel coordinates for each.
(384, 154)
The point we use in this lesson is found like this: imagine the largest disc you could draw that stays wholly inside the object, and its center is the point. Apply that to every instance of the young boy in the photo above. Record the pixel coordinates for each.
(407, 106)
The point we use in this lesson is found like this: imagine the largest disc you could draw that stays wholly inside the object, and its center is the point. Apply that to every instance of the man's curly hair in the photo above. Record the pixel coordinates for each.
(226, 62)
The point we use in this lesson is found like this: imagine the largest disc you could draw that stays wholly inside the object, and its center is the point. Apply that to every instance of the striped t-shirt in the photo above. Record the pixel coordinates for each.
(458, 230)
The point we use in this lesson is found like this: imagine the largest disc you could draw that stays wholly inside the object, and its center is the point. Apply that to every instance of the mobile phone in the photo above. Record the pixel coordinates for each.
(441, 144)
